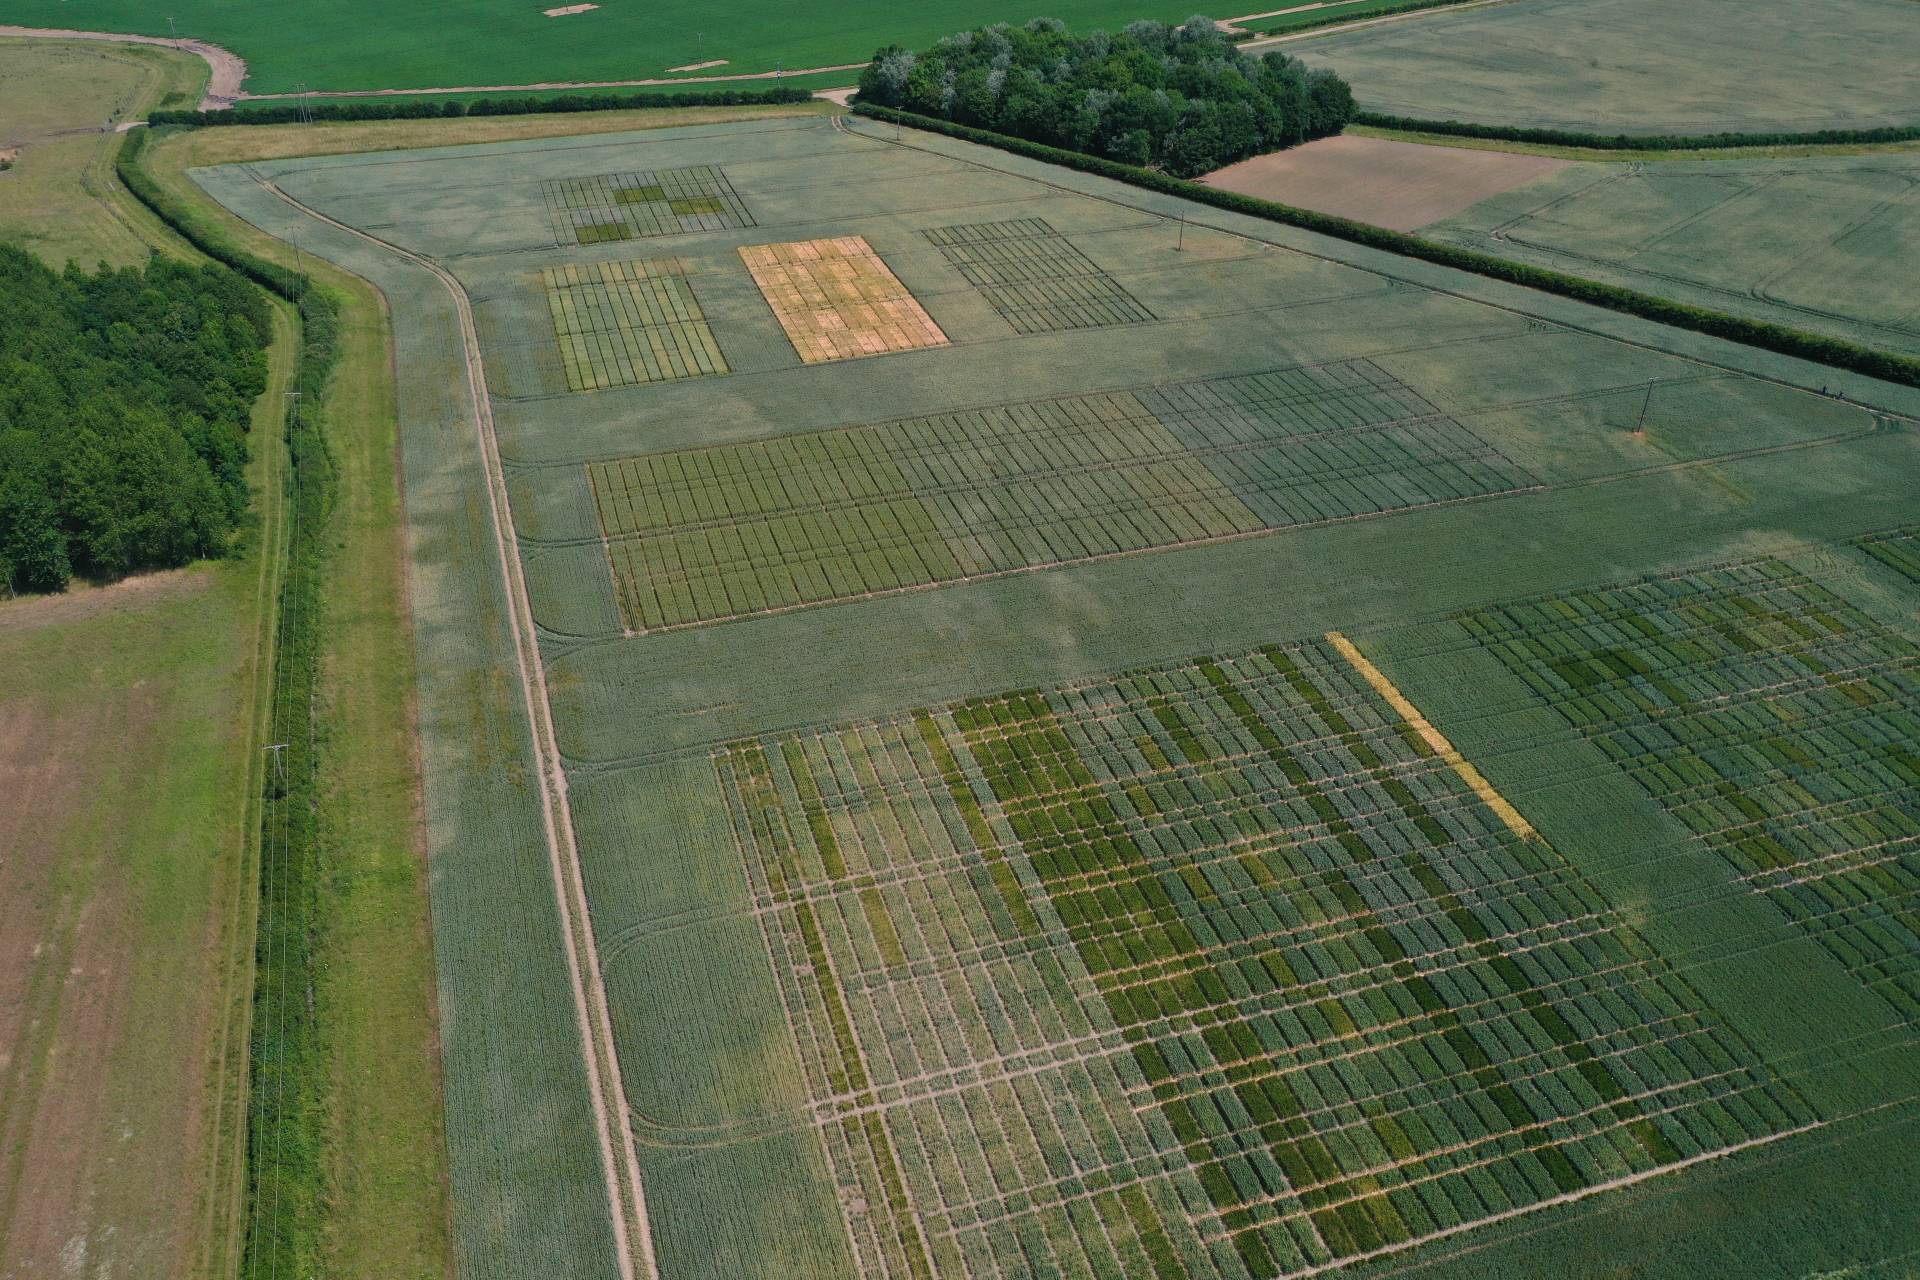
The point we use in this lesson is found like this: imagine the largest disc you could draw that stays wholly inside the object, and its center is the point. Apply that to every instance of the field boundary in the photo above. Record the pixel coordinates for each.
(1835, 352)
(607, 1090)
(1638, 141)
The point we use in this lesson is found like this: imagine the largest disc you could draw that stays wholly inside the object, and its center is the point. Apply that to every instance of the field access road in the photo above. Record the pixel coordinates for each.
(620, 1163)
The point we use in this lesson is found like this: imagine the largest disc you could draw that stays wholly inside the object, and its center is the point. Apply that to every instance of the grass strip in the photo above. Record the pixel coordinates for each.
(1836, 352)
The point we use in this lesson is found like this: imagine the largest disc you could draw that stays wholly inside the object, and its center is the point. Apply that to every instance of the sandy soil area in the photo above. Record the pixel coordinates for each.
(1400, 185)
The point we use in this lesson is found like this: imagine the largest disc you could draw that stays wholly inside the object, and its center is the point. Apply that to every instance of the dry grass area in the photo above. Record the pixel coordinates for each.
(1399, 185)
(123, 775)
(837, 300)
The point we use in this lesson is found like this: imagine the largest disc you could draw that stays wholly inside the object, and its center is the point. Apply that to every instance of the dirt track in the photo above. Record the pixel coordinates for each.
(223, 90)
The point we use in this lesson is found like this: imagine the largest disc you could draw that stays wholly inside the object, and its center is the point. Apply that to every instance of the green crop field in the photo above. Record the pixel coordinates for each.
(1640, 66)
(362, 44)
(1248, 757)
(1813, 242)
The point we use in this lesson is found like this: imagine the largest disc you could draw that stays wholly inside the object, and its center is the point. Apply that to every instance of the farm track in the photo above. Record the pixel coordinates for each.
(606, 1089)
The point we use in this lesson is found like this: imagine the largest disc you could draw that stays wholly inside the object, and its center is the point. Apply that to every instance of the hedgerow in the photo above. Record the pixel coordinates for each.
(1637, 142)
(403, 110)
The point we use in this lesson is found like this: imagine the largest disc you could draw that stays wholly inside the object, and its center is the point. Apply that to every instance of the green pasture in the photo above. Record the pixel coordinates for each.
(962, 723)
(1814, 242)
(1639, 66)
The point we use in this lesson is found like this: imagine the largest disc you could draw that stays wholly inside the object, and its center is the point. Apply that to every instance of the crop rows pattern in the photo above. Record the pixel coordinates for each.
(657, 202)
(837, 300)
(708, 534)
(1214, 969)
(1898, 550)
(1781, 725)
(1035, 278)
(621, 323)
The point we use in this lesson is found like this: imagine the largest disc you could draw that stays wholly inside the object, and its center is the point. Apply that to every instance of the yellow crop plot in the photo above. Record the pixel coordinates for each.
(837, 300)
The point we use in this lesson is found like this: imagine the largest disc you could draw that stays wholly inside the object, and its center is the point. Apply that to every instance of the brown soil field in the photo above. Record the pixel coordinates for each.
(1399, 185)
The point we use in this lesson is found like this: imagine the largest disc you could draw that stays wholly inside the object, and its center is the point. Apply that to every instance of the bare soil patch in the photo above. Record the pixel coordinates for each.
(567, 10)
(1399, 185)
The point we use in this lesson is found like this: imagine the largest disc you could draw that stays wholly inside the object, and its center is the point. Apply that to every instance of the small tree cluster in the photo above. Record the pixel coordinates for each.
(1182, 99)
(124, 401)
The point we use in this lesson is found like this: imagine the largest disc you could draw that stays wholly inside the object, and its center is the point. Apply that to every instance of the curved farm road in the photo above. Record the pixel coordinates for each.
(223, 90)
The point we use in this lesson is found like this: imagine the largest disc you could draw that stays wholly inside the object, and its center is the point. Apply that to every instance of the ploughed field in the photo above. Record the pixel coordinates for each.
(1098, 747)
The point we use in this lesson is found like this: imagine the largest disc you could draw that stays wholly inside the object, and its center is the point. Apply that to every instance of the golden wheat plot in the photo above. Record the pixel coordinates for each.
(837, 300)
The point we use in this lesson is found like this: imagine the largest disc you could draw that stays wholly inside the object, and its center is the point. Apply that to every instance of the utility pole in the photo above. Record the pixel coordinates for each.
(279, 766)
(1181, 246)
(173, 30)
(1640, 429)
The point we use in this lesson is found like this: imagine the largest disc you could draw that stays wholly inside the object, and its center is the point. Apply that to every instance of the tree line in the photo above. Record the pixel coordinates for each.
(124, 402)
(1181, 99)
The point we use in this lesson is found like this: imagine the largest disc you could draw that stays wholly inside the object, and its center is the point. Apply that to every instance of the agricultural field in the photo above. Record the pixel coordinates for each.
(1814, 242)
(1639, 66)
(979, 722)
(361, 44)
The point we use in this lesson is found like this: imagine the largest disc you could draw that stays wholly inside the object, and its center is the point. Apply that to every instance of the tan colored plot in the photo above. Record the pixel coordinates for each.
(1516, 821)
(837, 300)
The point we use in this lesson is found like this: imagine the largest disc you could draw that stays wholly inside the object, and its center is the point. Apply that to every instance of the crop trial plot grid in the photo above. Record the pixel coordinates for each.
(1781, 725)
(1035, 278)
(708, 534)
(620, 323)
(1214, 969)
(657, 202)
(837, 300)
(1899, 550)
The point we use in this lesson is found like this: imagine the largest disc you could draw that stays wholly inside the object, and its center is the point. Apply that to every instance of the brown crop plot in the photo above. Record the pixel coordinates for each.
(837, 300)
